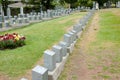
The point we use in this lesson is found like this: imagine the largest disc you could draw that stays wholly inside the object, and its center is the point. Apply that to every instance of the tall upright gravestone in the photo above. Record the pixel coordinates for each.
(118, 4)
(1, 16)
(94, 5)
(8, 12)
(1, 13)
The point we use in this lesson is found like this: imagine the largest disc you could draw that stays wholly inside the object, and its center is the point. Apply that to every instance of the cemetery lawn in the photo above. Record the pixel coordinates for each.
(97, 54)
(39, 37)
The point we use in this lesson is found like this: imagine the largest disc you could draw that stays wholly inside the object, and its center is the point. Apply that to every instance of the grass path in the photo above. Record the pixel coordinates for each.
(39, 37)
(96, 56)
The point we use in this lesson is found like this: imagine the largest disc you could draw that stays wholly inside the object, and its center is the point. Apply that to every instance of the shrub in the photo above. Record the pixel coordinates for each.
(10, 41)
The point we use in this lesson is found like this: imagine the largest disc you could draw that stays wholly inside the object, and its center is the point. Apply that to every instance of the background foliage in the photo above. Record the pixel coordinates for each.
(53, 4)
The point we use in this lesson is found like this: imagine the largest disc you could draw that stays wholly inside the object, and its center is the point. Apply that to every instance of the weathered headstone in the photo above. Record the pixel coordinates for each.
(12, 21)
(20, 20)
(30, 17)
(39, 73)
(6, 24)
(8, 12)
(67, 39)
(6, 18)
(0, 24)
(49, 60)
(64, 48)
(1, 18)
(97, 6)
(72, 36)
(118, 4)
(75, 35)
(58, 53)
(94, 5)
(26, 20)
(21, 11)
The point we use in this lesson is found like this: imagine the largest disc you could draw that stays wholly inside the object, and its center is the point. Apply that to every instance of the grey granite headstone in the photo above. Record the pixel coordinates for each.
(20, 15)
(64, 47)
(58, 53)
(30, 18)
(26, 20)
(8, 12)
(72, 36)
(6, 17)
(7, 24)
(67, 39)
(49, 60)
(20, 20)
(39, 73)
(51, 14)
(1, 18)
(38, 17)
(0, 24)
(75, 34)
(76, 28)
(12, 21)
(21, 10)
(34, 17)
(118, 4)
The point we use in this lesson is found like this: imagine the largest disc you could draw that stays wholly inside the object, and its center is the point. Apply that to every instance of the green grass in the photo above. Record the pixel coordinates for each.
(39, 37)
(110, 27)
(103, 54)
(107, 43)
(105, 76)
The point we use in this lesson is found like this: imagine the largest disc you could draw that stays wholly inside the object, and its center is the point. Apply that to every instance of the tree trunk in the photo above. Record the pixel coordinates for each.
(48, 4)
(5, 6)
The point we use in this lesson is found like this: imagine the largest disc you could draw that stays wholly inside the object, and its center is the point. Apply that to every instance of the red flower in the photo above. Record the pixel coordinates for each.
(11, 37)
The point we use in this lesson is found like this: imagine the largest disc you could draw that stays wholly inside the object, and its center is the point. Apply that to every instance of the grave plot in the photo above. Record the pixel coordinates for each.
(96, 55)
(39, 37)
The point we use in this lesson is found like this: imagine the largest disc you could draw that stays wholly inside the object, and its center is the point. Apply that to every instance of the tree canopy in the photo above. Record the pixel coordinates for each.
(51, 4)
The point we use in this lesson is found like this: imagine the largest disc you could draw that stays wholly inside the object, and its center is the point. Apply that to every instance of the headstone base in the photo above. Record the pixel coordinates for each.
(71, 47)
(57, 71)
(79, 34)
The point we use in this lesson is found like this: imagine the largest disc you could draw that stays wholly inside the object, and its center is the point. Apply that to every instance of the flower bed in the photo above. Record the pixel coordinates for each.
(10, 41)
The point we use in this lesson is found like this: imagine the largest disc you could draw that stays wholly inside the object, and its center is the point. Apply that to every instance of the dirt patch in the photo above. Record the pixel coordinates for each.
(92, 61)
(3, 77)
(28, 73)
(116, 12)
(78, 61)
(88, 37)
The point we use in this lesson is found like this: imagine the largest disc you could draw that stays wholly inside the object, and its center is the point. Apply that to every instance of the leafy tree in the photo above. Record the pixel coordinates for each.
(114, 1)
(4, 5)
(71, 2)
(101, 2)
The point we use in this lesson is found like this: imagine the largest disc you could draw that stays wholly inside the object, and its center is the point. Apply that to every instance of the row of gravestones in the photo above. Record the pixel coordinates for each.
(55, 58)
(26, 19)
(118, 4)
